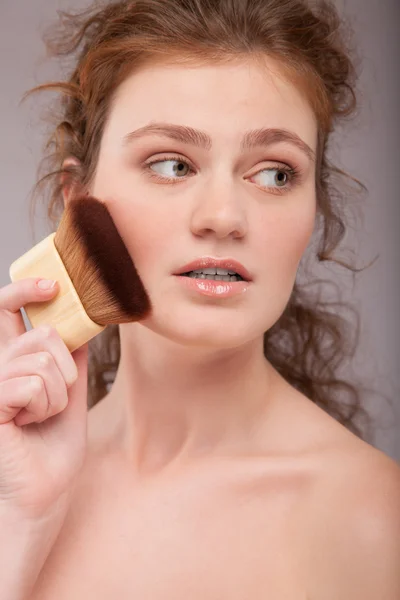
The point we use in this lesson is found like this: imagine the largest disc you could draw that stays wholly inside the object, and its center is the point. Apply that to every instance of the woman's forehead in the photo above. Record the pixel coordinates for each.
(201, 94)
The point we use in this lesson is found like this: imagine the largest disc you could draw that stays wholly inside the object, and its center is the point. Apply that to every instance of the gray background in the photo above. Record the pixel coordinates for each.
(368, 149)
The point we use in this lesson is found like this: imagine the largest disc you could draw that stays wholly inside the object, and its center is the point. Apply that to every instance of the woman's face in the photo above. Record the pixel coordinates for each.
(217, 200)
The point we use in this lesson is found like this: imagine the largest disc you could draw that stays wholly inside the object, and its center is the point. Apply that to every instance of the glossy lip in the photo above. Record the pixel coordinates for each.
(208, 262)
(218, 289)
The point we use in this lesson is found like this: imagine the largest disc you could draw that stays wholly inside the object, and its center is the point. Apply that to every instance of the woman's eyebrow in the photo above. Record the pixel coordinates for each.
(195, 137)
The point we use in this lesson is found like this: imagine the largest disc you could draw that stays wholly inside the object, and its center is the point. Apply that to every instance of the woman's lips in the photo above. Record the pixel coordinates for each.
(208, 262)
(215, 288)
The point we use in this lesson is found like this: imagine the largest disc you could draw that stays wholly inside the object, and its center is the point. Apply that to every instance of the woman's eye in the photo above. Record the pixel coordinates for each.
(181, 168)
(272, 178)
(268, 178)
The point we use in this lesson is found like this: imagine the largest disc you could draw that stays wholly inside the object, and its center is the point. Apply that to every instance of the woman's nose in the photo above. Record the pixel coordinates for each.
(220, 210)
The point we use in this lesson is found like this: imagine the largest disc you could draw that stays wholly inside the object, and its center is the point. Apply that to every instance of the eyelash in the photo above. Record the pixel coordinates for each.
(292, 172)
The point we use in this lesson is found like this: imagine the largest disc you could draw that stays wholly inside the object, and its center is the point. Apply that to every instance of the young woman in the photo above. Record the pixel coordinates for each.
(213, 467)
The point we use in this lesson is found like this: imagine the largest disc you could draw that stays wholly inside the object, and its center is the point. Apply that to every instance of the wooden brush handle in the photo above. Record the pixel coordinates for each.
(65, 312)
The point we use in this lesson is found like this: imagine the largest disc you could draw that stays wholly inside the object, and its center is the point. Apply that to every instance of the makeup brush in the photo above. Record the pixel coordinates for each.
(99, 283)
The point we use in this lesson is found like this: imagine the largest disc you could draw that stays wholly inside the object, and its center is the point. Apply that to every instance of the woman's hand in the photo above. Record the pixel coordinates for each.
(43, 410)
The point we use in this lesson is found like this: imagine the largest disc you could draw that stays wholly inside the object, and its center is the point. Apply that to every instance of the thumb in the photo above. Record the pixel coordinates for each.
(66, 432)
(74, 416)
(77, 394)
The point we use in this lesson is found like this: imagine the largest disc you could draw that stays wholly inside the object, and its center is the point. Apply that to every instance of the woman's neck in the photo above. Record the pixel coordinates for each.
(173, 403)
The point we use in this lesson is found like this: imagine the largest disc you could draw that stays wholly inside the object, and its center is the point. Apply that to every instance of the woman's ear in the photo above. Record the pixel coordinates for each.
(69, 184)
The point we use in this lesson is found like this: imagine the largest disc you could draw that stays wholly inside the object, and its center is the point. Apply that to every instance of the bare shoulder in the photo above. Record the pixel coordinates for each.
(352, 519)
(355, 542)
(363, 482)
(314, 430)
(353, 476)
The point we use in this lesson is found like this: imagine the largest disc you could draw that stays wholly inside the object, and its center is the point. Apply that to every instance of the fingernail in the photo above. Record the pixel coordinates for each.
(46, 284)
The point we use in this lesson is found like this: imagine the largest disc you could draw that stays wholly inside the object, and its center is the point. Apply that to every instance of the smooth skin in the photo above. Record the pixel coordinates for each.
(206, 475)
(193, 379)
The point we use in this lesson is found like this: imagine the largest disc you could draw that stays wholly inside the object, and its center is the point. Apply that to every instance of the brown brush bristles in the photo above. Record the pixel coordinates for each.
(99, 264)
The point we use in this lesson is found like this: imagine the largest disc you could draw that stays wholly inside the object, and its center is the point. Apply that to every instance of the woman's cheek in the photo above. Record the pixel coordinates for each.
(284, 243)
(144, 233)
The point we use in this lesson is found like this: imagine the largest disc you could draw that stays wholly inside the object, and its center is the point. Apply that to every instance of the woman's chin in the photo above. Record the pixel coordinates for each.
(215, 335)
